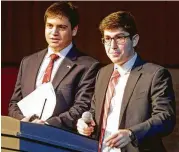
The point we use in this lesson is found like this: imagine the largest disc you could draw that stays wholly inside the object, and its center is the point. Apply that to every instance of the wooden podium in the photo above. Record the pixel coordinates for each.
(29, 137)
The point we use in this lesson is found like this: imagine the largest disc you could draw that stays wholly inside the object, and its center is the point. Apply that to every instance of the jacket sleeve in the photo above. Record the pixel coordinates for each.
(14, 110)
(163, 116)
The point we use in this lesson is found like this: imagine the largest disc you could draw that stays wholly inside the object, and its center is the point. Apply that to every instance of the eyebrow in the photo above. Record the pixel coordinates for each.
(59, 25)
(120, 34)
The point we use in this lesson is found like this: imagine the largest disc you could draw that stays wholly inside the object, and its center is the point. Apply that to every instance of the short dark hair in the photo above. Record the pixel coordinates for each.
(63, 8)
(120, 19)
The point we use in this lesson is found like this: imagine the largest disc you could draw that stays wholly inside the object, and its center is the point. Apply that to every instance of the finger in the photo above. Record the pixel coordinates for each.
(111, 137)
(112, 142)
(119, 138)
(93, 123)
(85, 131)
(109, 143)
(82, 133)
(85, 128)
(118, 142)
(88, 130)
(81, 124)
(114, 139)
(123, 144)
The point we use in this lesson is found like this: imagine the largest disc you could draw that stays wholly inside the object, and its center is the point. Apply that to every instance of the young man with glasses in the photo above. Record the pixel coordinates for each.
(134, 104)
(71, 72)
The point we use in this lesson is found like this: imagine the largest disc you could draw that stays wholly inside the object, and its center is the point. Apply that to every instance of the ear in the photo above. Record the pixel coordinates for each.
(75, 30)
(135, 40)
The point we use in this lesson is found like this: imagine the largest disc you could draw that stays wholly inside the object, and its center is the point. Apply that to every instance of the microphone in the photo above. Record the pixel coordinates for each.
(87, 117)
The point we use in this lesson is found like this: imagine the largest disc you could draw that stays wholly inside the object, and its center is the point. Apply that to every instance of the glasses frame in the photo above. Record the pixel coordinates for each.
(121, 37)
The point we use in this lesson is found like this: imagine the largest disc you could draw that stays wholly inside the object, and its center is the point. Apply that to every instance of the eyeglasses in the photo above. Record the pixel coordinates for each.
(119, 40)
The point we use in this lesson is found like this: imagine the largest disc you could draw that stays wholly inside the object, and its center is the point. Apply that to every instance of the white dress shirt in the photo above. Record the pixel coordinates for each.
(62, 54)
(116, 102)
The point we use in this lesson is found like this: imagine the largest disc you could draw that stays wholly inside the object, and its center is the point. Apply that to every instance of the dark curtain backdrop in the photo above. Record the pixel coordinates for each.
(22, 28)
(22, 33)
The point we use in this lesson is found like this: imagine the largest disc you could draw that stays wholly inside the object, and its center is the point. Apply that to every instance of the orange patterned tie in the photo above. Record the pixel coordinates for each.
(109, 94)
(49, 68)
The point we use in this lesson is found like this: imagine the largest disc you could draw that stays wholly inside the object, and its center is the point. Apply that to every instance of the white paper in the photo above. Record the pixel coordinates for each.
(34, 102)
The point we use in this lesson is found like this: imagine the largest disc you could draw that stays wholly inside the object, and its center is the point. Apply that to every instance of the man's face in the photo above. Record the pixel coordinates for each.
(121, 47)
(58, 32)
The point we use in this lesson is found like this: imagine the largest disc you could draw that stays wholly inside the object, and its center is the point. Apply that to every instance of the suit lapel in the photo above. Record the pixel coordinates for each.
(104, 78)
(35, 65)
(134, 76)
(66, 66)
(63, 70)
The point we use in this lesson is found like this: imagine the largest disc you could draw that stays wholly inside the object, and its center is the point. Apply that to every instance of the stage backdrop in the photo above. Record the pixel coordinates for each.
(22, 28)
(22, 33)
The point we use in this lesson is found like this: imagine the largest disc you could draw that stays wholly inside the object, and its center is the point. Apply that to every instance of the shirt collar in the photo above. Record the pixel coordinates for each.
(62, 53)
(126, 67)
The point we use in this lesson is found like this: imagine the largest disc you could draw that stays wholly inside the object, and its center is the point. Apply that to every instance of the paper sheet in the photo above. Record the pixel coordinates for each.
(34, 102)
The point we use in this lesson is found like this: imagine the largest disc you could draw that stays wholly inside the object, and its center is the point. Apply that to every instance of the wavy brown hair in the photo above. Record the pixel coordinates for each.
(120, 19)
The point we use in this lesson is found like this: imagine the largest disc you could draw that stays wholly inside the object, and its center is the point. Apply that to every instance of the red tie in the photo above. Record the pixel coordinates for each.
(49, 68)
(109, 94)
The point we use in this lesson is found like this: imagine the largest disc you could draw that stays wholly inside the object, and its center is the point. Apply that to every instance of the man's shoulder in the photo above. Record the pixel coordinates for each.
(33, 55)
(83, 58)
(107, 67)
(152, 68)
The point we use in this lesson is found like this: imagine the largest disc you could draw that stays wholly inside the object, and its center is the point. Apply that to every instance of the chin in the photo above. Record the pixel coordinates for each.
(54, 46)
(115, 60)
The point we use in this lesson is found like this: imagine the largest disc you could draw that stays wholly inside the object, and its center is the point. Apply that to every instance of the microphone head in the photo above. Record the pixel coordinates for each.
(87, 117)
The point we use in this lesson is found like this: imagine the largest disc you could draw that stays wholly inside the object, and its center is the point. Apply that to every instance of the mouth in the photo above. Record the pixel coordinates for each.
(115, 54)
(54, 40)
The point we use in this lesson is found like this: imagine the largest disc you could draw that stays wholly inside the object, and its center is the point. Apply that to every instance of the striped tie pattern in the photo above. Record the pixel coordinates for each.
(48, 71)
(109, 94)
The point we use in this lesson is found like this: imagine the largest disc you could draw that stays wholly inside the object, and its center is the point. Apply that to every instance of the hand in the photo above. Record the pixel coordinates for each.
(119, 139)
(38, 121)
(26, 119)
(84, 128)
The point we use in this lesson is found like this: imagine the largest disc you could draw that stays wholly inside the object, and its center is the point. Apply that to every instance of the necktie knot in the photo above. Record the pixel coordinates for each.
(54, 57)
(115, 74)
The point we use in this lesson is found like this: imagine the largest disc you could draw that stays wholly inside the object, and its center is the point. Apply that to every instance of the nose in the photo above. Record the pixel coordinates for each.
(114, 44)
(54, 31)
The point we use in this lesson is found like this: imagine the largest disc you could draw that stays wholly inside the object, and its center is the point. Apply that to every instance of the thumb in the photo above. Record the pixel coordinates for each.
(93, 123)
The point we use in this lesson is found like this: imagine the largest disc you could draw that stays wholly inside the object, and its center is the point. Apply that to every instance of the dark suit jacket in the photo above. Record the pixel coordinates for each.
(73, 86)
(148, 106)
